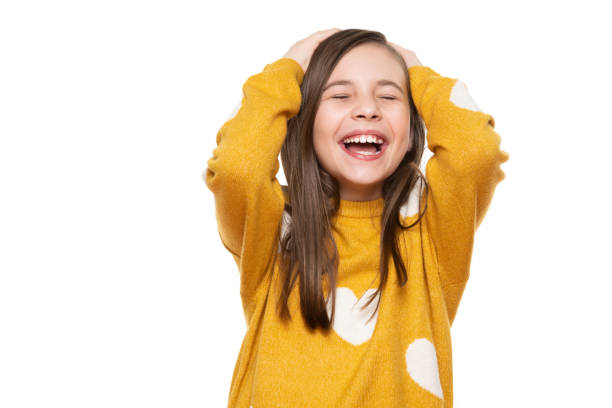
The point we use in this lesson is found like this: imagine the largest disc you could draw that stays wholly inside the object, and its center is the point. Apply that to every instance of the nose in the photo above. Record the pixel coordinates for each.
(366, 107)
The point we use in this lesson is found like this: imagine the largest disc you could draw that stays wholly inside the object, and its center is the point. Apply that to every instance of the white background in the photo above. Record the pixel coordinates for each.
(115, 289)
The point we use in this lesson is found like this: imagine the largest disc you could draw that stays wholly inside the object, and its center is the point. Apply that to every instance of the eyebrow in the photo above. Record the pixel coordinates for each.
(381, 82)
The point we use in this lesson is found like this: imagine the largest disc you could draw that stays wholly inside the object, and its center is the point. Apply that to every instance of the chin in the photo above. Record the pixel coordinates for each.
(362, 182)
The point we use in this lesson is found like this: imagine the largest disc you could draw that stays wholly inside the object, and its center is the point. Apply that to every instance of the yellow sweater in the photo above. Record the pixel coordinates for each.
(402, 357)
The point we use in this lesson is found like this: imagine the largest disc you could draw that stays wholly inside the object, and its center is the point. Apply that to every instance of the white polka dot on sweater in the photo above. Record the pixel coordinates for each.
(462, 98)
(422, 365)
(410, 206)
(350, 322)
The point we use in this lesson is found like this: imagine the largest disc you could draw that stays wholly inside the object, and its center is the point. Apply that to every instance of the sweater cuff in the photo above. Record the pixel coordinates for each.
(287, 64)
(421, 71)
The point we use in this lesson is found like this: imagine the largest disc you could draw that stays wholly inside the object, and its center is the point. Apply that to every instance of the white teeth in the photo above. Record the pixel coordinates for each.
(364, 139)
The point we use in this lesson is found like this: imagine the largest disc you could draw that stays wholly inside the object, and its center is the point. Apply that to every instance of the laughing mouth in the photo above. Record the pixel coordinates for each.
(364, 151)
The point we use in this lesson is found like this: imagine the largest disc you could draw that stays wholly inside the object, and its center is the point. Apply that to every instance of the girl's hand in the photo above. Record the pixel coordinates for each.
(409, 56)
(302, 50)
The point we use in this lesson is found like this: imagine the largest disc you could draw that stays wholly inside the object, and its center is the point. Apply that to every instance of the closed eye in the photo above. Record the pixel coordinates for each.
(344, 97)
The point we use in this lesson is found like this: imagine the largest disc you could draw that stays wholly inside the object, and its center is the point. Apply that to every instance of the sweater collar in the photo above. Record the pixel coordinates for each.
(361, 209)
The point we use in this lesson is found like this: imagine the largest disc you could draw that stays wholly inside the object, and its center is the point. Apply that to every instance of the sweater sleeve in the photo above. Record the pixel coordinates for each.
(462, 173)
(242, 171)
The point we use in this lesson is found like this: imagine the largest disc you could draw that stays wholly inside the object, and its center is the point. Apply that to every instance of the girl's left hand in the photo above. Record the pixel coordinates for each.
(409, 56)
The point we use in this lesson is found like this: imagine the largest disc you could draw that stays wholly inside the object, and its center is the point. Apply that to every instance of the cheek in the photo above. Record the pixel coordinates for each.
(325, 120)
(319, 145)
(325, 127)
(318, 127)
(318, 133)
(401, 126)
(402, 131)
(316, 144)
(401, 120)
(323, 150)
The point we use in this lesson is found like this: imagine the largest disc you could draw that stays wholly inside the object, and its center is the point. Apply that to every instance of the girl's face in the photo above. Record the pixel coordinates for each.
(365, 100)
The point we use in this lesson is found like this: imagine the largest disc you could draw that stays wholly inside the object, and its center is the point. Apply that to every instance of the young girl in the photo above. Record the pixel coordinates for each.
(351, 275)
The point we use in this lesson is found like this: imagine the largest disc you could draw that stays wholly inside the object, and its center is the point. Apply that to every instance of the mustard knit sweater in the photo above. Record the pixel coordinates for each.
(401, 357)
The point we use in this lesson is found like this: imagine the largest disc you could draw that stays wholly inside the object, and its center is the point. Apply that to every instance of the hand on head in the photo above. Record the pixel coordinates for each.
(302, 50)
(409, 56)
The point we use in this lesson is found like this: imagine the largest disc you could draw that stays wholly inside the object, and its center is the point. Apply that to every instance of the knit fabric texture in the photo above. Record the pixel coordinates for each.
(402, 356)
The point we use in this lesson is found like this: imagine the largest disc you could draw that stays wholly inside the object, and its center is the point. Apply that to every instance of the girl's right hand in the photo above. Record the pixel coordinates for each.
(302, 50)
(409, 56)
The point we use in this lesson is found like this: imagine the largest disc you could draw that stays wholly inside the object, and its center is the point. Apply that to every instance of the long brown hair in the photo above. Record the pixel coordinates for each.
(307, 249)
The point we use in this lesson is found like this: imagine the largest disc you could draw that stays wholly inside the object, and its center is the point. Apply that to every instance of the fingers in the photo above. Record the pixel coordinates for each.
(394, 45)
(409, 56)
(323, 34)
(329, 30)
